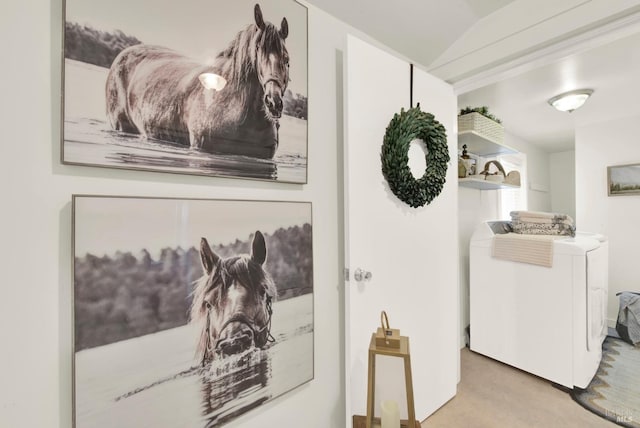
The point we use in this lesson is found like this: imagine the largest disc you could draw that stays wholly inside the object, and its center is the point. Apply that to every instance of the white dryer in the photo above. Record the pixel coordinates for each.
(547, 321)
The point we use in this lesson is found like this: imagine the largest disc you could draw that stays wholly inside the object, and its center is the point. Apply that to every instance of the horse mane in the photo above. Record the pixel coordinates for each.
(237, 62)
(247, 272)
(238, 59)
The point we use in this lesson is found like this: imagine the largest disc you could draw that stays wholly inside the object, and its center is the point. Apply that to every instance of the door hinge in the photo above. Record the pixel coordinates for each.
(346, 274)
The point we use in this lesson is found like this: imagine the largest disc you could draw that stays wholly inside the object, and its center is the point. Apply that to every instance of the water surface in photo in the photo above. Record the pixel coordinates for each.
(89, 140)
(173, 391)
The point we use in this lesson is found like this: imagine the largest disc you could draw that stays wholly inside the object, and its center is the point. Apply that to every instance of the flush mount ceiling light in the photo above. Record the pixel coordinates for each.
(212, 81)
(569, 101)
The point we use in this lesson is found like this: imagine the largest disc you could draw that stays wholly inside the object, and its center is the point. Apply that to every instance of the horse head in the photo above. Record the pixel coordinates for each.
(272, 63)
(232, 301)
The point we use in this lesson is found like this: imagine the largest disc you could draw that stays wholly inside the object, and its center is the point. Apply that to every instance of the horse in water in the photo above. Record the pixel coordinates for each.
(156, 92)
(232, 301)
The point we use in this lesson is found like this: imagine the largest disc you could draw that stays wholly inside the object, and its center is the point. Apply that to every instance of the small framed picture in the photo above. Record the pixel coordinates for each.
(623, 180)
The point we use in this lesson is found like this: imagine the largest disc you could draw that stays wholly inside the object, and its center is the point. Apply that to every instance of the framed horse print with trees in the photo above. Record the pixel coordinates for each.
(215, 88)
(188, 313)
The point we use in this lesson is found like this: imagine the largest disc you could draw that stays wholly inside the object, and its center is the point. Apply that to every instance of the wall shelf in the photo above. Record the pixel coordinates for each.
(482, 146)
(482, 184)
(482, 140)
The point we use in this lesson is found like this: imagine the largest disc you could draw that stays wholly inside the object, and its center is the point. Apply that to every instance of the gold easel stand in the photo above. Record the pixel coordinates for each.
(402, 352)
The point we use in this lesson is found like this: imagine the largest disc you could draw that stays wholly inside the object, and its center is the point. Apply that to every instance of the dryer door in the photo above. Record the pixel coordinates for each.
(597, 294)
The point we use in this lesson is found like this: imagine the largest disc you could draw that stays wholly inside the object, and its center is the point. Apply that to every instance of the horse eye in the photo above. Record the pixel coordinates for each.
(208, 305)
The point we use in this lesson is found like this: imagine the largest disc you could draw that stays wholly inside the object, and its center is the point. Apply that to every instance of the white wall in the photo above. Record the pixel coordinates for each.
(35, 311)
(476, 206)
(538, 196)
(598, 146)
(562, 177)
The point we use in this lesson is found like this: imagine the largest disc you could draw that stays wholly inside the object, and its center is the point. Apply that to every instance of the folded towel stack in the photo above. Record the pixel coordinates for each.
(541, 223)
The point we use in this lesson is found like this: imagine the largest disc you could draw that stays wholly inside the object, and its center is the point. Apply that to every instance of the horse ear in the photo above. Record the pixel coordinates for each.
(284, 28)
(257, 13)
(258, 249)
(209, 259)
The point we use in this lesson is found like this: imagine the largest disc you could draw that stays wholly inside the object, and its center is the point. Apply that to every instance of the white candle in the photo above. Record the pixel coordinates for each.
(390, 414)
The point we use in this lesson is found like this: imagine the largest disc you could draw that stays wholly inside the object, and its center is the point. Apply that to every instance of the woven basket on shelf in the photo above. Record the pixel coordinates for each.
(482, 125)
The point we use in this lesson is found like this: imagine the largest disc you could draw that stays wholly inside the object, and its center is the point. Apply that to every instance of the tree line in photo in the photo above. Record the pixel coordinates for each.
(86, 44)
(123, 296)
(617, 187)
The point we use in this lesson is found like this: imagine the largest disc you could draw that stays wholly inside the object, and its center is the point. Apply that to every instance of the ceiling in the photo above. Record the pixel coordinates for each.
(420, 29)
(612, 70)
(424, 29)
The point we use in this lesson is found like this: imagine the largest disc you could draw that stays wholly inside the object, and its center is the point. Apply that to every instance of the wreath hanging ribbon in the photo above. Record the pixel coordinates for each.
(402, 130)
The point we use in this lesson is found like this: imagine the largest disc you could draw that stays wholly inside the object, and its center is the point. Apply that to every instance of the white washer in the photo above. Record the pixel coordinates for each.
(547, 321)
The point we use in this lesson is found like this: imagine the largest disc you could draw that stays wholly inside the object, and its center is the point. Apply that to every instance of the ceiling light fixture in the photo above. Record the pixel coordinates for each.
(212, 81)
(569, 101)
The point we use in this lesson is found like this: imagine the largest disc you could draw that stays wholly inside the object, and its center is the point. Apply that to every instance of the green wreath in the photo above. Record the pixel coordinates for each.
(402, 130)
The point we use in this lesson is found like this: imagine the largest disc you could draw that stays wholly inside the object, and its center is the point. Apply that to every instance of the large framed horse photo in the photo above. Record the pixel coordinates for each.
(188, 313)
(215, 88)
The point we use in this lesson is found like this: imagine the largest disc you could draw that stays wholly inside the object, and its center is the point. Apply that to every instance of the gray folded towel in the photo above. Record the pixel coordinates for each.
(543, 229)
(542, 223)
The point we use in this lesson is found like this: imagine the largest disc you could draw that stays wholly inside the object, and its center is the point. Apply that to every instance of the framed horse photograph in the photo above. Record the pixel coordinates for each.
(216, 88)
(188, 312)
